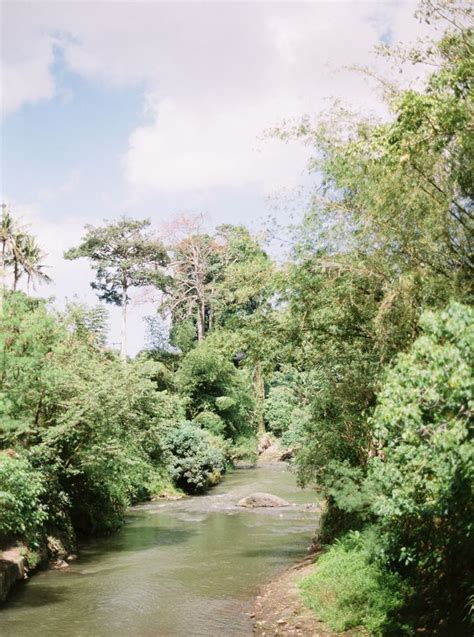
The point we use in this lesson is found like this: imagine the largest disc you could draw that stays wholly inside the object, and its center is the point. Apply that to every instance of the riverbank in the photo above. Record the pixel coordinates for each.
(13, 569)
(279, 611)
(176, 568)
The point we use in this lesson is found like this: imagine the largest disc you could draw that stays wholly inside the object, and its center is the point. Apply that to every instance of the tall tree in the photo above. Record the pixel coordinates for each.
(124, 255)
(242, 303)
(7, 244)
(390, 232)
(189, 289)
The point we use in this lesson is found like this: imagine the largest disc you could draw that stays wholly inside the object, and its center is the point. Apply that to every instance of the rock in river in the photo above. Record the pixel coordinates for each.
(255, 500)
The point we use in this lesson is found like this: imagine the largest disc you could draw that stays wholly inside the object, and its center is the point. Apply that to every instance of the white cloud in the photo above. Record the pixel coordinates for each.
(26, 57)
(278, 62)
(210, 146)
(214, 76)
(216, 73)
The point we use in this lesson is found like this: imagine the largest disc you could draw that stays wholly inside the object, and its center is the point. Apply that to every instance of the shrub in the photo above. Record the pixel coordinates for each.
(212, 383)
(211, 422)
(245, 449)
(22, 513)
(349, 589)
(425, 470)
(278, 409)
(196, 461)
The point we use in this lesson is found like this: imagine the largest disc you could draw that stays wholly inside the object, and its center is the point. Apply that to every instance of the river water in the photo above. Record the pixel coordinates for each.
(188, 568)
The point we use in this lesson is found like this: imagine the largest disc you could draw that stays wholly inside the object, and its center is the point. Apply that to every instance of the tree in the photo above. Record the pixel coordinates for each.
(423, 474)
(212, 384)
(7, 241)
(189, 289)
(91, 430)
(26, 259)
(390, 231)
(88, 324)
(213, 277)
(124, 255)
(21, 252)
(243, 287)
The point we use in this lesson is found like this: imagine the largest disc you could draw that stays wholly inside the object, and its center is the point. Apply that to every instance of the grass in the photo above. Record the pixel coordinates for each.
(348, 589)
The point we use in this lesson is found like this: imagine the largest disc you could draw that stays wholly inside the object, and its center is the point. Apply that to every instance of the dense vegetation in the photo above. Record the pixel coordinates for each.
(357, 352)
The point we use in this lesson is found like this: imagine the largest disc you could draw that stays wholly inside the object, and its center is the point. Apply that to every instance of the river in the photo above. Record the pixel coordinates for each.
(188, 568)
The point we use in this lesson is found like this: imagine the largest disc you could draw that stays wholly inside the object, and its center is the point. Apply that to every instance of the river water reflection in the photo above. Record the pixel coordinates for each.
(177, 569)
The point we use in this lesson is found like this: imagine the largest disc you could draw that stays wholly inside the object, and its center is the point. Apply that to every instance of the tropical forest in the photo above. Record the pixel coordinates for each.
(290, 450)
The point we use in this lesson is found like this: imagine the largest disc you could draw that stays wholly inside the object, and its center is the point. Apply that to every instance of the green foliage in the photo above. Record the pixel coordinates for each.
(331, 328)
(88, 324)
(94, 427)
(197, 461)
(424, 472)
(279, 406)
(183, 335)
(243, 278)
(244, 449)
(389, 234)
(28, 335)
(22, 511)
(124, 255)
(213, 384)
(211, 422)
(349, 589)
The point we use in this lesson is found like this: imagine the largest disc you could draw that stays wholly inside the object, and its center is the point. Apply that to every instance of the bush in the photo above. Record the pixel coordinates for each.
(211, 383)
(425, 470)
(196, 461)
(349, 589)
(211, 422)
(245, 449)
(278, 409)
(22, 513)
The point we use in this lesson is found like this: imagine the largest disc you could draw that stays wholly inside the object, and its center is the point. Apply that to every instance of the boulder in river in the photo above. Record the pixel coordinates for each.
(264, 443)
(255, 500)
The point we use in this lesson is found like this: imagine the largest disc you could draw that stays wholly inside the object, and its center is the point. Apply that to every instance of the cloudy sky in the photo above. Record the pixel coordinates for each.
(155, 108)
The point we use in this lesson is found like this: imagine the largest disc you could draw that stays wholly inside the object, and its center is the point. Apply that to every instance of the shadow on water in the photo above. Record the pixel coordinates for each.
(135, 538)
(43, 596)
(287, 553)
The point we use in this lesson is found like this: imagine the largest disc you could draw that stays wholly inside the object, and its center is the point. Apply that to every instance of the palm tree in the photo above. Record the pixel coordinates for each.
(7, 246)
(20, 251)
(14, 258)
(27, 260)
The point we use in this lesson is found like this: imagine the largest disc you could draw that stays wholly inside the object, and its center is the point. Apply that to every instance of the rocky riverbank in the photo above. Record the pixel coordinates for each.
(17, 562)
(13, 568)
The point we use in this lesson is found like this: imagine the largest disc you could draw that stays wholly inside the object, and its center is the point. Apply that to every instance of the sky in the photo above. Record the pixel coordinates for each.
(154, 109)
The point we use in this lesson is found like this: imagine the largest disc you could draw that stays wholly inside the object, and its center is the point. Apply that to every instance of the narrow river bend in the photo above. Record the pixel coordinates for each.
(188, 568)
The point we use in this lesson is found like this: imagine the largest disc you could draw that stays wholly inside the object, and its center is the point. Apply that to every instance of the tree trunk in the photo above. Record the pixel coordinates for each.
(259, 388)
(123, 335)
(16, 275)
(200, 321)
(2, 276)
